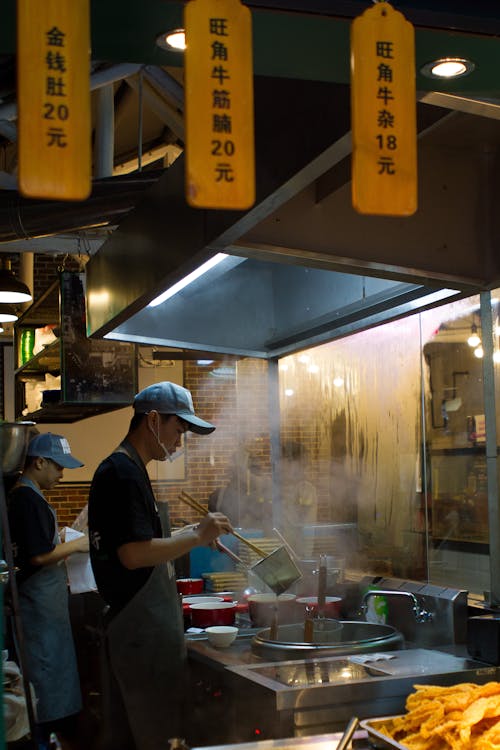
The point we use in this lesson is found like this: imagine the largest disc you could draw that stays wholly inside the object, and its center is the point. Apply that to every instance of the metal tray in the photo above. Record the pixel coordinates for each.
(376, 738)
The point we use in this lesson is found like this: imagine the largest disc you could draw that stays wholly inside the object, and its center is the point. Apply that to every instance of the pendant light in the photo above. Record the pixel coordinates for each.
(11, 289)
(473, 339)
(8, 313)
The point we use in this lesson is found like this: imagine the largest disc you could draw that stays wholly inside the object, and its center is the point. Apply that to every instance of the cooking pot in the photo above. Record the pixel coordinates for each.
(212, 613)
(331, 609)
(262, 608)
(14, 439)
(186, 586)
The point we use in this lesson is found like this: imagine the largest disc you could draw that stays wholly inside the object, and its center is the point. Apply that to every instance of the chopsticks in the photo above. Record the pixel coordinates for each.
(201, 509)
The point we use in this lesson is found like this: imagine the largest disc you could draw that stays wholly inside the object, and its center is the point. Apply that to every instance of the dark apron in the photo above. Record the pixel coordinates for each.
(50, 651)
(145, 652)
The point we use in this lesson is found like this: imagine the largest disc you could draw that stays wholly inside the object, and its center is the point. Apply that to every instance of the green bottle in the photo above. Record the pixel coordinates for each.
(27, 344)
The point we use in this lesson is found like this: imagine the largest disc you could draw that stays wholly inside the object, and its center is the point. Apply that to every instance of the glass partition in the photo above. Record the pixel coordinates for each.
(383, 433)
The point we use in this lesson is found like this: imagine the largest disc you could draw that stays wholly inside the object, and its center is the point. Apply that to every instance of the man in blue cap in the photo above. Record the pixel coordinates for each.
(43, 589)
(132, 558)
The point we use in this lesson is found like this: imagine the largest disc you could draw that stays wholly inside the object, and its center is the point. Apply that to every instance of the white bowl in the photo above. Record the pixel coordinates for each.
(221, 636)
(201, 599)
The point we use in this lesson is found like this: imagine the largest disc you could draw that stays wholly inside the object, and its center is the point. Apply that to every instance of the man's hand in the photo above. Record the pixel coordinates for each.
(212, 526)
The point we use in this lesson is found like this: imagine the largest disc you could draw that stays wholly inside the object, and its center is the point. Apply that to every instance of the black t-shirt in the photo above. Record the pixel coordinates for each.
(122, 509)
(32, 528)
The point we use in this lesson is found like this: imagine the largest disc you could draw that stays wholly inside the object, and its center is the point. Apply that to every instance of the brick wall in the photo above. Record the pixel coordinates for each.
(237, 404)
(47, 267)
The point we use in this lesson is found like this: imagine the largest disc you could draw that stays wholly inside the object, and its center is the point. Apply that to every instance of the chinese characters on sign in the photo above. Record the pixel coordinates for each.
(220, 159)
(383, 104)
(54, 99)
(55, 108)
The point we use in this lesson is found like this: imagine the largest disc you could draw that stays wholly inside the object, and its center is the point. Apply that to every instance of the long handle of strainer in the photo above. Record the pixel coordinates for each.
(229, 552)
(197, 506)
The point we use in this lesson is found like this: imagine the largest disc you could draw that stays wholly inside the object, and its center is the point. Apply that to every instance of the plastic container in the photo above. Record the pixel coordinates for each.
(187, 586)
(212, 613)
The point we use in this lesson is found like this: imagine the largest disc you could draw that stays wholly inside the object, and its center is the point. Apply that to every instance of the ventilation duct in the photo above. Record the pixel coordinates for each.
(111, 199)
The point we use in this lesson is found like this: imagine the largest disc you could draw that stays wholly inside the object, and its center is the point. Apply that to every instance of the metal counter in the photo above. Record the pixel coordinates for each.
(315, 742)
(304, 697)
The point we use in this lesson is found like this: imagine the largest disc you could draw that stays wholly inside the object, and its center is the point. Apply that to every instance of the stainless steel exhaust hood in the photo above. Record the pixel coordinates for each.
(264, 309)
(303, 267)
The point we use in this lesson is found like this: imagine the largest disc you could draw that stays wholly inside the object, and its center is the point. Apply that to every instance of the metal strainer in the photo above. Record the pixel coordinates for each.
(278, 570)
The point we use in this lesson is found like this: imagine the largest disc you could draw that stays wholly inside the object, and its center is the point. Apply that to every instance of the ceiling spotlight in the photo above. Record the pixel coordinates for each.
(11, 289)
(478, 352)
(448, 67)
(172, 41)
(473, 339)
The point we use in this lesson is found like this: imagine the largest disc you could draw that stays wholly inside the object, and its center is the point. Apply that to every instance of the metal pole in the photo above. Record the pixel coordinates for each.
(491, 447)
(274, 431)
(105, 132)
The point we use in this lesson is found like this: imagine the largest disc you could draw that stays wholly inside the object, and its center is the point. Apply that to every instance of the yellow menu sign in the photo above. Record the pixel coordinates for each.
(220, 151)
(383, 111)
(53, 71)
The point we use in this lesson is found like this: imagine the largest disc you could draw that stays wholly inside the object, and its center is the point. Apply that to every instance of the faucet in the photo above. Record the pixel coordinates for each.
(421, 615)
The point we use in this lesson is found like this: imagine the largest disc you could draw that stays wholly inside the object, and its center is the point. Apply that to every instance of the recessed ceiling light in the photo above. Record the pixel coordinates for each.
(448, 67)
(174, 40)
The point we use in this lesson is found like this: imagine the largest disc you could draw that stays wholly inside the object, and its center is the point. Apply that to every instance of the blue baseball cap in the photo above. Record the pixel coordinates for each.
(170, 398)
(55, 447)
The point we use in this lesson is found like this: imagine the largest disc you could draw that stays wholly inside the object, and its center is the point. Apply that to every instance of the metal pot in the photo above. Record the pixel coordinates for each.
(310, 603)
(263, 607)
(14, 439)
(354, 638)
(212, 613)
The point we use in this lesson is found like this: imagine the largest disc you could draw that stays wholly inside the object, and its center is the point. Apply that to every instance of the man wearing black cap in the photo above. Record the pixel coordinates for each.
(43, 588)
(132, 558)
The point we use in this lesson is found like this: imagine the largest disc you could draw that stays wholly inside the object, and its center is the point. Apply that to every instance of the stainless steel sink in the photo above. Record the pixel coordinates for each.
(353, 638)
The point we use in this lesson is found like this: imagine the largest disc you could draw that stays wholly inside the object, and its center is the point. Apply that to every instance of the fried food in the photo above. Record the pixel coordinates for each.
(458, 717)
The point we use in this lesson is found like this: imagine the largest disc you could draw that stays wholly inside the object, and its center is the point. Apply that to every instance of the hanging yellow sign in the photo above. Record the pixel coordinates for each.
(383, 111)
(220, 151)
(53, 71)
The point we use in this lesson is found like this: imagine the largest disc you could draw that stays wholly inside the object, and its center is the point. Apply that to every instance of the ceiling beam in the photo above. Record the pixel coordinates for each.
(471, 105)
(162, 108)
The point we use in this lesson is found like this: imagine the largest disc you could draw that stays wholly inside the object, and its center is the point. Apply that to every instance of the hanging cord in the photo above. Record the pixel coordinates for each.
(140, 124)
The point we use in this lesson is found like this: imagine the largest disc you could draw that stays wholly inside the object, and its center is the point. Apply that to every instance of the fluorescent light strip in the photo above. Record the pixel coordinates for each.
(175, 288)
(428, 299)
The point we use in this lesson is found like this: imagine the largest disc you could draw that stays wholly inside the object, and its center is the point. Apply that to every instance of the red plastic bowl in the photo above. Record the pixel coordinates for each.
(216, 613)
(188, 586)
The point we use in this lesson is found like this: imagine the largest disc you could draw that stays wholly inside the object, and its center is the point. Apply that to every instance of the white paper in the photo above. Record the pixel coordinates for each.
(80, 575)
